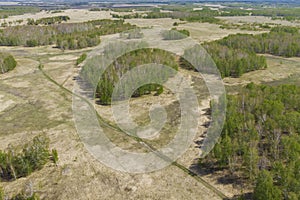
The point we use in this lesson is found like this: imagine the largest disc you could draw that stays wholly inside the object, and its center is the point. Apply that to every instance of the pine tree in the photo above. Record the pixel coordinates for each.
(265, 188)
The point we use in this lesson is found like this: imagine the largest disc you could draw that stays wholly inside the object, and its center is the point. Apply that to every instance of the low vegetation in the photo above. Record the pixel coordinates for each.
(81, 59)
(20, 196)
(34, 155)
(175, 34)
(132, 34)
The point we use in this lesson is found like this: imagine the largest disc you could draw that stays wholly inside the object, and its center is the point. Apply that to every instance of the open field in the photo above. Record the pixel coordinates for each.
(201, 32)
(31, 104)
(166, 23)
(205, 32)
(257, 19)
(76, 15)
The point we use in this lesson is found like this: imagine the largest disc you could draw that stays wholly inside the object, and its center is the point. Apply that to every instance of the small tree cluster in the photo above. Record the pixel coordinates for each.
(33, 157)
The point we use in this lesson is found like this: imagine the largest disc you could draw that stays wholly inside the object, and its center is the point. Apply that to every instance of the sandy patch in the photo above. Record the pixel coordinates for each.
(63, 58)
(4, 104)
(20, 84)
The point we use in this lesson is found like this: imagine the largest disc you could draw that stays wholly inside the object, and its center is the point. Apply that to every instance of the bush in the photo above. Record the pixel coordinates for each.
(7, 63)
(33, 157)
(54, 156)
(81, 59)
(174, 35)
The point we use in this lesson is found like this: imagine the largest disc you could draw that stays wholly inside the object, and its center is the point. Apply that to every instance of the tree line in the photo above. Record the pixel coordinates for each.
(205, 15)
(208, 15)
(281, 41)
(48, 20)
(64, 36)
(260, 141)
(7, 63)
(237, 54)
(6, 11)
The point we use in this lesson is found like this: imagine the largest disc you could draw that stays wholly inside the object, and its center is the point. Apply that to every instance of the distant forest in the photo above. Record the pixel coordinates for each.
(64, 36)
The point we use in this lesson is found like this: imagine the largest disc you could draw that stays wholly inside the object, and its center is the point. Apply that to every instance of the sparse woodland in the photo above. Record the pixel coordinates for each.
(260, 141)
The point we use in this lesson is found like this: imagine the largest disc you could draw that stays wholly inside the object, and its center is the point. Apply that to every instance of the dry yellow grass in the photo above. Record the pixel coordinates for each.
(166, 23)
(257, 19)
(78, 175)
(204, 32)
